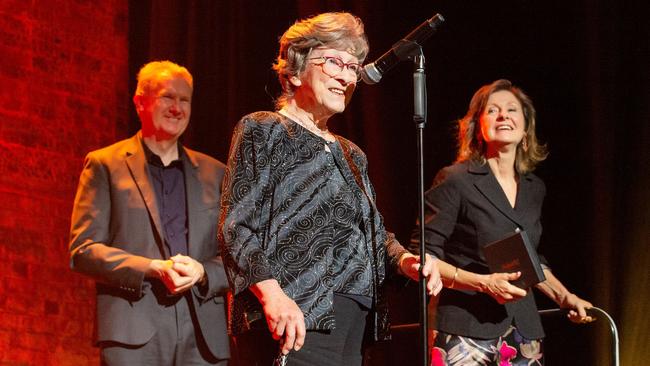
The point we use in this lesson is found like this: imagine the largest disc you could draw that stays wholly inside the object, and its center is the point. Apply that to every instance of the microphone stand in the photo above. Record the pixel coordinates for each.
(409, 48)
(420, 119)
(405, 49)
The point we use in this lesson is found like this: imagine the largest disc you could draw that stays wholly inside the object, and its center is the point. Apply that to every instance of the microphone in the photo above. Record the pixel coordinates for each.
(372, 72)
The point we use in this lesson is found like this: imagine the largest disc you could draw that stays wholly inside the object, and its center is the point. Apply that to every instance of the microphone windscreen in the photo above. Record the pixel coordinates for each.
(370, 75)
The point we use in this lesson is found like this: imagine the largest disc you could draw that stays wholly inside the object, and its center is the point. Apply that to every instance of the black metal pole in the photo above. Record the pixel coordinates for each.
(420, 119)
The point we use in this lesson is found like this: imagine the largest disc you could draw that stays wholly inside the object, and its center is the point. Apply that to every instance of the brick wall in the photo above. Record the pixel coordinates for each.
(64, 91)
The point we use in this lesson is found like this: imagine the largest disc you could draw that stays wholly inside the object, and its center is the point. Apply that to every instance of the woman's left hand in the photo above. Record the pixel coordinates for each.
(577, 309)
(409, 265)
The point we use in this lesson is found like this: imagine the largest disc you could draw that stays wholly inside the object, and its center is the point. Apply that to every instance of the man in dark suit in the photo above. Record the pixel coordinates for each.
(144, 227)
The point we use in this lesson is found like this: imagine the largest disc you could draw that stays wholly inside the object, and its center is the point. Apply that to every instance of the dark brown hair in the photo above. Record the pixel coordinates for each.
(471, 146)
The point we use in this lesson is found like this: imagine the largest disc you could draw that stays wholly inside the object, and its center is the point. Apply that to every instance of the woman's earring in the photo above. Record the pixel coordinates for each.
(524, 143)
(295, 81)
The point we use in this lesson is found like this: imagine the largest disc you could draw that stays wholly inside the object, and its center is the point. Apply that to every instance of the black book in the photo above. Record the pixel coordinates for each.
(515, 254)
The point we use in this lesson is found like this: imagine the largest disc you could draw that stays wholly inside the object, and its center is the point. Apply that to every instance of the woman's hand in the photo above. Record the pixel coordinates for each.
(578, 309)
(499, 287)
(554, 289)
(409, 265)
(284, 318)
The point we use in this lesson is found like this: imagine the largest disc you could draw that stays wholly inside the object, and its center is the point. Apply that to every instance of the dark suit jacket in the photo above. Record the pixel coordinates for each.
(465, 210)
(116, 230)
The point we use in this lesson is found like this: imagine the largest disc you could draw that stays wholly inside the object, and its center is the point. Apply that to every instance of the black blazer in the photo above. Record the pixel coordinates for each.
(116, 229)
(465, 210)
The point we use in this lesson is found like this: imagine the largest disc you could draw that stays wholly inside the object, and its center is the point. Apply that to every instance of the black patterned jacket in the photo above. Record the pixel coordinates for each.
(278, 219)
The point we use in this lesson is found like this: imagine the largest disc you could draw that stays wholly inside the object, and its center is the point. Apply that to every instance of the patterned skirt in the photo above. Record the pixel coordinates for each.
(511, 349)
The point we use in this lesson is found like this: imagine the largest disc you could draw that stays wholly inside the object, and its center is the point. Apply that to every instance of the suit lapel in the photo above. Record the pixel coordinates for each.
(137, 164)
(489, 187)
(193, 197)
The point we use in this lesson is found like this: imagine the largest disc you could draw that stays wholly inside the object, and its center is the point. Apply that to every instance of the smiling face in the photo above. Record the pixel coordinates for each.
(324, 94)
(165, 110)
(502, 120)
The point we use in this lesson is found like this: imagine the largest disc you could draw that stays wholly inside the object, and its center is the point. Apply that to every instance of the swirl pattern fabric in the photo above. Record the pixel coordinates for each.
(306, 217)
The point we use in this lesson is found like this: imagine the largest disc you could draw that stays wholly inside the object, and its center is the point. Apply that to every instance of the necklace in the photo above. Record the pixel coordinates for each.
(325, 134)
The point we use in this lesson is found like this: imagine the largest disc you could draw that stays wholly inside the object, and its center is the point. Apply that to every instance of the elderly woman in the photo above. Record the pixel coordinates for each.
(304, 246)
(488, 194)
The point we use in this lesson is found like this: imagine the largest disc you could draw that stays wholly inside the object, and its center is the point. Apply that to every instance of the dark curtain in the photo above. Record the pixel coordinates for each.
(584, 63)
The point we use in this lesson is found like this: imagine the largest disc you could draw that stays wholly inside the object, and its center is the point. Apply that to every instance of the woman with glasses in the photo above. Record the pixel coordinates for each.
(304, 247)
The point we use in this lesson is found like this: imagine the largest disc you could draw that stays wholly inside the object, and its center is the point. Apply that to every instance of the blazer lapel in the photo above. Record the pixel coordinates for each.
(137, 164)
(193, 197)
(524, 194)
(489, 187)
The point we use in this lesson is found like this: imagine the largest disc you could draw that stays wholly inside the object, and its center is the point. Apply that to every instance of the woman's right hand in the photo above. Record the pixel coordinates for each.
(284, 318)
(499, 287)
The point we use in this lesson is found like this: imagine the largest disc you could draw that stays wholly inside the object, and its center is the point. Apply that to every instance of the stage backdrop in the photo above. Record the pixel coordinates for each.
(68, 73)
(584, 64)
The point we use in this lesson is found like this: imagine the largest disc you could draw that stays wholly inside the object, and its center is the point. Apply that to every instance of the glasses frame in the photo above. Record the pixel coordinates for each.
(344, 65)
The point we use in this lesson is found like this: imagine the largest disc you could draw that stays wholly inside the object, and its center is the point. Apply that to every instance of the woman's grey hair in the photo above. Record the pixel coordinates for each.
(341, 31)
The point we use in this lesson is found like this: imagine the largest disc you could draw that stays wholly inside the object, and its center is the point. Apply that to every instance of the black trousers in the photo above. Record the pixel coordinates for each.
(342, 346)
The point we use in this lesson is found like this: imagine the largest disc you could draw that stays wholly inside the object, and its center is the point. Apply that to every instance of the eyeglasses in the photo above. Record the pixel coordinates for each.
(333, 66)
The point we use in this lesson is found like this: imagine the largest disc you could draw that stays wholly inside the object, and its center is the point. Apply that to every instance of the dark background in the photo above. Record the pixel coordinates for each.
(584, 64)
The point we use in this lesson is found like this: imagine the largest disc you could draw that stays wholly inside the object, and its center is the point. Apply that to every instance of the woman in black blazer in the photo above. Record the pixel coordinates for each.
(488, 194)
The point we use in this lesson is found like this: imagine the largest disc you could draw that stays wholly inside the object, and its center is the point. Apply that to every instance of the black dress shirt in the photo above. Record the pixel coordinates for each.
(169, 184)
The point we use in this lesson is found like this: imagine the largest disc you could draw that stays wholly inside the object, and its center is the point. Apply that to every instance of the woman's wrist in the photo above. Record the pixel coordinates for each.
(465, 280)
(454, 278)
(400, 258)
(476, 282)
(565, 300)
